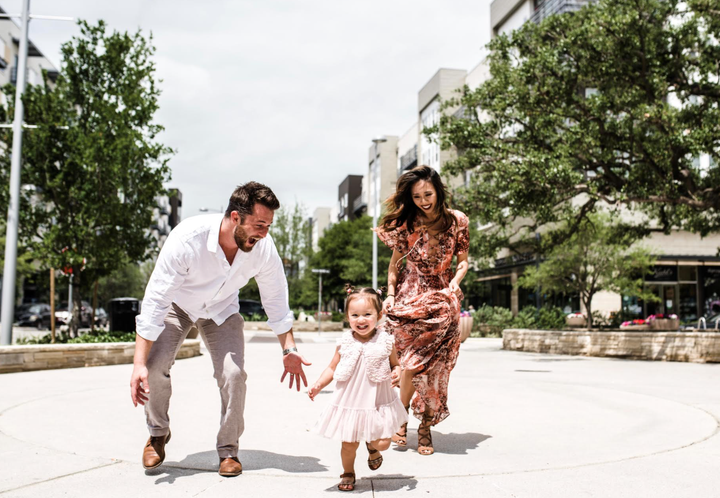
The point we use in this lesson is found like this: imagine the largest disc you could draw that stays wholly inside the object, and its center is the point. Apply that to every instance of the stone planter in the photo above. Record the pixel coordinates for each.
(466, 323)
(575, 321)
(635, 327)
(665, 324)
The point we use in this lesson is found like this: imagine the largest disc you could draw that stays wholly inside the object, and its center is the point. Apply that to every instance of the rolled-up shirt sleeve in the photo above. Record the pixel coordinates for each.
(273, 288)
(170, 271)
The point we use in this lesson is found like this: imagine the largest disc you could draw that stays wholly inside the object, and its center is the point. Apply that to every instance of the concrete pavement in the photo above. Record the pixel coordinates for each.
(521, 425)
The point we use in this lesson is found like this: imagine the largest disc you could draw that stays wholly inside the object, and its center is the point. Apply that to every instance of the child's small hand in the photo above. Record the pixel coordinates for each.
(313, 391)
(395, 377)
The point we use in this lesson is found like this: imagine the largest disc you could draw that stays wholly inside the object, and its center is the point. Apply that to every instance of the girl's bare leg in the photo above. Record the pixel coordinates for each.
(347, 454)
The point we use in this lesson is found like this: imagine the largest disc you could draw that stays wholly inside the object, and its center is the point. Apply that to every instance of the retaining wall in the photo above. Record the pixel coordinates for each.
(698, 347)
(46, 356)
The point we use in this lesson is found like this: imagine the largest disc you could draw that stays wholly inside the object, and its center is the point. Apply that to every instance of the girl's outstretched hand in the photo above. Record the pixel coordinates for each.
(313, 391)
(389, 303)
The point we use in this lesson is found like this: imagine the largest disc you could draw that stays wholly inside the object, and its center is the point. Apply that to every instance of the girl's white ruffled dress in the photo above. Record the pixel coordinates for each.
(365, 406)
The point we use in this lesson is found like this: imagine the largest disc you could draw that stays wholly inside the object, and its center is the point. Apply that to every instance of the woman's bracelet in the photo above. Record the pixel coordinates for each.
(391, 295)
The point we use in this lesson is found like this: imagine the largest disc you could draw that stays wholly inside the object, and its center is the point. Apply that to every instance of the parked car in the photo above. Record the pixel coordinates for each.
(250, 307)
(62, 315)
(34, 315)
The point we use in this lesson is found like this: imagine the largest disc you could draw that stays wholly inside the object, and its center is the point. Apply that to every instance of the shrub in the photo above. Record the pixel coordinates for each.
(61, 338)
(526, 319)
(490, 322)
(551, 318)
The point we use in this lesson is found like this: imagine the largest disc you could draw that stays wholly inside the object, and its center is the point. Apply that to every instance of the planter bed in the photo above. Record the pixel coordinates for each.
(698, 347)
(51, 356)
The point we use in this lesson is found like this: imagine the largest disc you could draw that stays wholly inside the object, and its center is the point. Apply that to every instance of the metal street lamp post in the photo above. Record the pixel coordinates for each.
(11, 234)
(320, 272)
(376, 208)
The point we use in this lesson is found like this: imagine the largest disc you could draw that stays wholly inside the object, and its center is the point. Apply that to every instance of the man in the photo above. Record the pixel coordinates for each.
(200, 269)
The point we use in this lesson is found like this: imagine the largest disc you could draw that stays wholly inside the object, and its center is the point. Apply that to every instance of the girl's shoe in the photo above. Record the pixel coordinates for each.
(425, 444)
(345, 484)
(374, 463)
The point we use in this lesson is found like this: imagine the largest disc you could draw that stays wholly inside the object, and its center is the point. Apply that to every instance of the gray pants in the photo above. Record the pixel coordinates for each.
(227, 351)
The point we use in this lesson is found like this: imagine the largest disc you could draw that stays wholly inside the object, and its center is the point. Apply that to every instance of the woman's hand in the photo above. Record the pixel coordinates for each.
(389, 303)
(395, 376)
(454, 288)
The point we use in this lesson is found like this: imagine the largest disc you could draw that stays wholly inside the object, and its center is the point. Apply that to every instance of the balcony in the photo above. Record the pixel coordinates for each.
(359, 206)
(409, 159)
(547, 8)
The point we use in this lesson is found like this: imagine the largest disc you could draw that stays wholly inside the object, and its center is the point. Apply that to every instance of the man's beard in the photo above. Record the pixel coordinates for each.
(241, 238)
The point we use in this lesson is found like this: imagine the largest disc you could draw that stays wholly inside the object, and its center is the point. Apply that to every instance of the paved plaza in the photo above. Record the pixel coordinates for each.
(521, 425)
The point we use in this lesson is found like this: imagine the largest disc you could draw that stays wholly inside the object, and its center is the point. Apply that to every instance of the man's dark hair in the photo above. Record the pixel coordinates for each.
(245, 197)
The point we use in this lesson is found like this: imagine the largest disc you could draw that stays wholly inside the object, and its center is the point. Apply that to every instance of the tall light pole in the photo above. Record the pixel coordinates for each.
(375, 169)
(11, 234)
(320, 272)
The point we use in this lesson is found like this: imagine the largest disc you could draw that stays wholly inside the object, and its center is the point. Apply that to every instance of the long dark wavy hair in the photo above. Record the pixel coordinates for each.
(401, 208)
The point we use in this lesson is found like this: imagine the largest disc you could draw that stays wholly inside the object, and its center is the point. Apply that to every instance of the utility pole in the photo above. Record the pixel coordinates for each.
(11, 237)
(320, 272)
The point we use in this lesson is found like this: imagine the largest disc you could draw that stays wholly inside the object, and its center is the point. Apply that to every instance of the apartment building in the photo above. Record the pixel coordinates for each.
(382, 173)
(349, 190)
(319, 222)
(9, 50)
(686, 279)
(166, 215)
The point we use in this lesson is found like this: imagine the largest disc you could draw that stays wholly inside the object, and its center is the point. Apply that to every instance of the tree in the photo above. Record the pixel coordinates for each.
(611, 105)
(289, 231)
(597, 255)
(346, 250)
(94, 160)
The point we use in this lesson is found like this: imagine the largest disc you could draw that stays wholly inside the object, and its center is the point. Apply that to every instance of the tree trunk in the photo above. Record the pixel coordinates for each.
(77, 303)
(588, 309)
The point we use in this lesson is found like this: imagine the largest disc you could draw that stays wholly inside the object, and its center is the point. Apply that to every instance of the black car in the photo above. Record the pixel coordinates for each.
(34, 315)
(250, 307)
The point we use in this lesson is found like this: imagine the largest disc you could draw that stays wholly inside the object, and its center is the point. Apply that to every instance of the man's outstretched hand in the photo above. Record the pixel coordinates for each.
(293, 363)
(139, 386)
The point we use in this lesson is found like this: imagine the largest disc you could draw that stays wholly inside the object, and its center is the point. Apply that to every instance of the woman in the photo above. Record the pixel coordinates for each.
(423, 302)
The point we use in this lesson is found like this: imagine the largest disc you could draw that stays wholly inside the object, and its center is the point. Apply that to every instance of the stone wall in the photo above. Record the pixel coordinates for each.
(47, 356)
(698, 347)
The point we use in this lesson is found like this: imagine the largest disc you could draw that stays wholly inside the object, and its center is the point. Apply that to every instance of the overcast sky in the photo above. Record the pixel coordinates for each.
(285, 92)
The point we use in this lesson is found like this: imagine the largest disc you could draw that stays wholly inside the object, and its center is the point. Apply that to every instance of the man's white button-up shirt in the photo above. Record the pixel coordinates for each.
(192, 272)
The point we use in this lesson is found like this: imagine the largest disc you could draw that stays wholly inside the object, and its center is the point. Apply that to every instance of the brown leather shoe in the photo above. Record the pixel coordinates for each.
(154, 452)
(230, 467)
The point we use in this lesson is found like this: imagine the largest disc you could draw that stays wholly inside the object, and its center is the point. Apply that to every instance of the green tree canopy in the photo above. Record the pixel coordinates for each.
(597, 255)
(345, 250)
(94, 160)
(611, 105)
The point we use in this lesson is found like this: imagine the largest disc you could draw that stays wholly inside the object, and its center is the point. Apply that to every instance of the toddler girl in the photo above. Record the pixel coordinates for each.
(365, 366)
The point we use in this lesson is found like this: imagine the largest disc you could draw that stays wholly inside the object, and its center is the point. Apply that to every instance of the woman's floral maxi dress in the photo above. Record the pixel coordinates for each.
(426, 316)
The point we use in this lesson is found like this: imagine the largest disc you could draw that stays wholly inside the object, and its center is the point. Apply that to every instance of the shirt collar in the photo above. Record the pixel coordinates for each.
(213, 242)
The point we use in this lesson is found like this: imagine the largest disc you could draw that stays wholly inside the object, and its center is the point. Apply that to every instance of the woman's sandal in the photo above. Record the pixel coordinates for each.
(400, 437)
(425, 444)
(374, 463)
(346, 485)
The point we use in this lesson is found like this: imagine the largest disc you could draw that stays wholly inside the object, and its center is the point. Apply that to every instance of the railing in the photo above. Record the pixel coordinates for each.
(547, 8)
(358, 204)
(409, 159)
(515, 258)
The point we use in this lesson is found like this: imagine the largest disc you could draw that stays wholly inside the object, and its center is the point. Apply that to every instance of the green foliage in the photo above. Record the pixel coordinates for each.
(94, 160)
(610, 105)
(597, 256)
(129, 280)
(551, 318)
(61, 338)
(345, 250)
(290, 233)
(490, 321)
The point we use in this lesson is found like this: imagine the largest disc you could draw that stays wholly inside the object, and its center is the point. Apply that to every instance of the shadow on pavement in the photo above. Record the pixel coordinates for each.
(207, 461)
(451, 444)
(386, 482)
